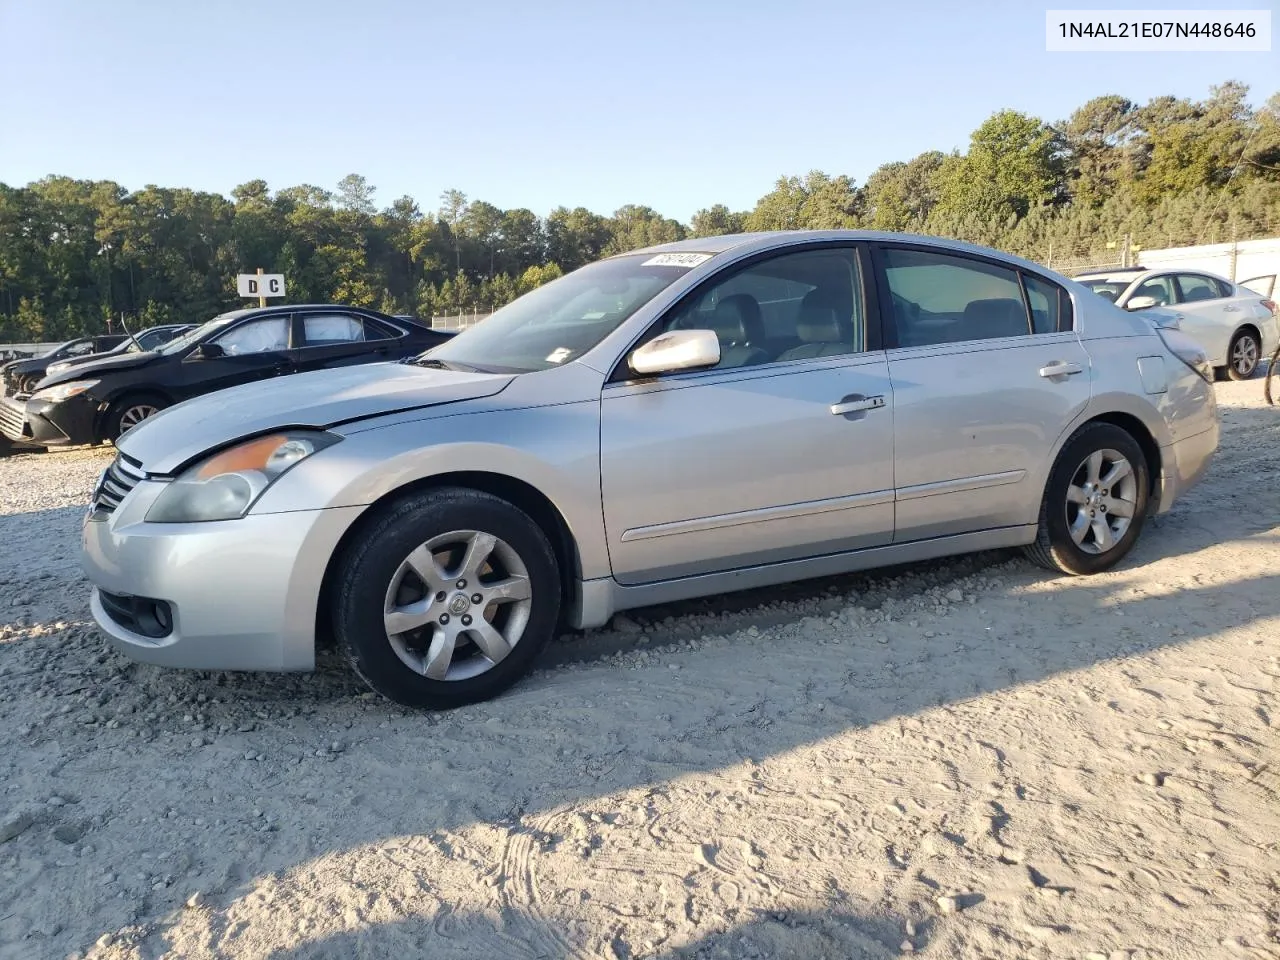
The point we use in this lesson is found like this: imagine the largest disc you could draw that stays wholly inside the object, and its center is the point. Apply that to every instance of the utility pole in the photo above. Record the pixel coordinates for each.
(262, 301)
(1124, 253)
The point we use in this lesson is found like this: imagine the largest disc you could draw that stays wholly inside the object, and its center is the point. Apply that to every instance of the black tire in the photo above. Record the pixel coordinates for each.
(369, 564)
(1243, 368)
(1054, 547)
(115, 423)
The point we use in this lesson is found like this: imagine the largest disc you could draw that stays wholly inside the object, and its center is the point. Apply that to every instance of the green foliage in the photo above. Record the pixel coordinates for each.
(75, 253)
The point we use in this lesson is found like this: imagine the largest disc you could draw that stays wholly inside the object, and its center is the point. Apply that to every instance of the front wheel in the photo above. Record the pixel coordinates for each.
(127, 413)
(1243, 355)
(1094, 503)
(446, 598)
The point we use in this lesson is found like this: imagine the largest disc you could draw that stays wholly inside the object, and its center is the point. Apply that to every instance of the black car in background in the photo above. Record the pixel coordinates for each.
(140, 342)
(20, 376)
(103, 398)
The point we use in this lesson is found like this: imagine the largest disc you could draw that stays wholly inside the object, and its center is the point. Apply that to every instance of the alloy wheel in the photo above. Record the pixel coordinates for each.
(134, 415)
(457, 605)
(1244, 358)
(1101, 500)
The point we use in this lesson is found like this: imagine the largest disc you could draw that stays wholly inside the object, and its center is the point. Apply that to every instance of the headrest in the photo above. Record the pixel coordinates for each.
(823, 318)
(737, 319)
(997, 317)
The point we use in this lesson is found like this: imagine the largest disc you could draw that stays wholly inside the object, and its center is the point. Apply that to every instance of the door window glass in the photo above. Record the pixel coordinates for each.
(256, 336)
(327, 329)
(1160, 288)
(1196, 288)
(1045, 300)
(796, 306)
(940, 298)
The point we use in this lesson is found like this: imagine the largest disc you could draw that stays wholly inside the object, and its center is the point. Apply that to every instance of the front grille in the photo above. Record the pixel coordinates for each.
(13, 418)
(116, 482)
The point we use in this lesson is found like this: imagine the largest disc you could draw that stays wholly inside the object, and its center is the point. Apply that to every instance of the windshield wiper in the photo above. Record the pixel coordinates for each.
(437, 364)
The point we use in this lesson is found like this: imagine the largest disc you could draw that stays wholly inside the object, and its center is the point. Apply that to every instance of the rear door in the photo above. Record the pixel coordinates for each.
(987, 372)
(1208, 316)
(253, 349)
(341, 339)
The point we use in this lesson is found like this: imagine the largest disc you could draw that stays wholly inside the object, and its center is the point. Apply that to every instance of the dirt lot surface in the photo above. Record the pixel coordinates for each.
(961, 759)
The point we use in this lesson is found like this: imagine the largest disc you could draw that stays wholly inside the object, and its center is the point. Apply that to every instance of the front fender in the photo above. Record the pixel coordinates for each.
(554, 449)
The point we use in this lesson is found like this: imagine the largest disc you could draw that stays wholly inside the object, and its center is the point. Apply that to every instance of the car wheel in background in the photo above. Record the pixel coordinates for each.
(445, 598)
(128, 412)
(1243, 355)
(1094, 503)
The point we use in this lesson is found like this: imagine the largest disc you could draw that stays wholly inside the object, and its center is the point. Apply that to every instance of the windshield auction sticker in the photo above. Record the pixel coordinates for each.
(1123, 31)
(677, 260)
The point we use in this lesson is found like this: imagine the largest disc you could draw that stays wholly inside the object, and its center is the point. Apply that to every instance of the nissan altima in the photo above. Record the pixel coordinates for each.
(718, 414)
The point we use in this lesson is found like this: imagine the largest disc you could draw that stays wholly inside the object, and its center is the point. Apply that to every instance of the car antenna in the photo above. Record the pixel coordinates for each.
(129, 332)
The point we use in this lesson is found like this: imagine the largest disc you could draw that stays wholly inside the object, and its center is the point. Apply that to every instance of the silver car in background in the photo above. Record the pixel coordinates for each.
(1235, 324)
(713, 415)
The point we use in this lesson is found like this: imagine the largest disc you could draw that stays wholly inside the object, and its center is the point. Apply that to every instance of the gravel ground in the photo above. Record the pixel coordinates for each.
(968, 758)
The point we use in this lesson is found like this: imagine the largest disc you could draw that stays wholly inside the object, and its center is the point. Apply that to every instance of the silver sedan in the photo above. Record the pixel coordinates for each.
(720, 414)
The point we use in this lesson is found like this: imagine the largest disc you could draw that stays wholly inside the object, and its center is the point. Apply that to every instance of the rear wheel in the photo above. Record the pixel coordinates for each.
(1243, 355)
(128, 412)
(446, 598)
(1095, 502)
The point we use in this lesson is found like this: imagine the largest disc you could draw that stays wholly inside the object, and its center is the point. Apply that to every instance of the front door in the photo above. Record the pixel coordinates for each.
(782, 451)
(252, 350)
(987, 372)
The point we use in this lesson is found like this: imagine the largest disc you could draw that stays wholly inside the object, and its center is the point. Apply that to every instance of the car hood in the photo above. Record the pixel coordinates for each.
(323, 398)
(32, 365)
(101, 364)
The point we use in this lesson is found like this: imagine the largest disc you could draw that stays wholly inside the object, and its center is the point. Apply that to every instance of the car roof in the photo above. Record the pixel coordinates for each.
(295, 307)
(1129, 274)
(765, 240)
(1108, 271)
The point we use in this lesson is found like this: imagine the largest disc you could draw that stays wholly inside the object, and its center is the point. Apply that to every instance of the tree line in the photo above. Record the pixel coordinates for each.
(77, 254)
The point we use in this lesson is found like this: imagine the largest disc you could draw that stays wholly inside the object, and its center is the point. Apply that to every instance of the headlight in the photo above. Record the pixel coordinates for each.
(64, 391)
(225, 485)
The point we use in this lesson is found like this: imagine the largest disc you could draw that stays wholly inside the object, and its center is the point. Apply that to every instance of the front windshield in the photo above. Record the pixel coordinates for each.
(562, 320)
(178, 344)
(146, 340)
(1111, 289)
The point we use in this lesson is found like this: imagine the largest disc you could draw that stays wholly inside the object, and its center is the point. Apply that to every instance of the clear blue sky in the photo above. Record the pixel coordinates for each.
(674, 105)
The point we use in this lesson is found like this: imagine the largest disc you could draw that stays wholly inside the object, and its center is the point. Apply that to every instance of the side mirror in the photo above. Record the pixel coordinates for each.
(675, 351)
(208, 351)
(1141, 303)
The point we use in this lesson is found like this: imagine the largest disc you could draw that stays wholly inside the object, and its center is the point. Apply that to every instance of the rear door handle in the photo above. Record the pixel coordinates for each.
(855, 403)
(1060, 368)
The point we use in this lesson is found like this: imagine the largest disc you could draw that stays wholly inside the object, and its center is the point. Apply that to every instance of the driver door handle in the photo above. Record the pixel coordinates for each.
(855, 403)
(1060, 368)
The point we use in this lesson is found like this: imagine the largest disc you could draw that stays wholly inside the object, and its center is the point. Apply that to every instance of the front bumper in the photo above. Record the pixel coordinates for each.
(63, 423)
(241, 594)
